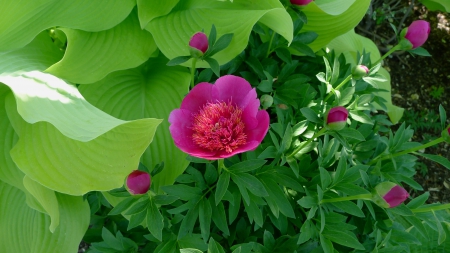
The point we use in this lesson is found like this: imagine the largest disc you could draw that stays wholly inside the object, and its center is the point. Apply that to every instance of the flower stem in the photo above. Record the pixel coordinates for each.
(404, 152)
(194, 62)
(397, 47)
(367, 196)
(431, 208)
(320, 133)
(339, 86)
(270, 44)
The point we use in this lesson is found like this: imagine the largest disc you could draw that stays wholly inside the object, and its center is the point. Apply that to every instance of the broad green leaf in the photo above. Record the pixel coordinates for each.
(173, 31)
(100, 53)
(437, 5)
(150, 9)
(21, 21)
(329, 22)
(150, 90)
(23, 229)
(65, 142)
(46, 198)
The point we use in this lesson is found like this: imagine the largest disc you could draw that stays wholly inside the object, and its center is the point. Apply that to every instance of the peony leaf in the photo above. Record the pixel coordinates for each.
(23, 229)
(330, 21)
(150, 90)
(173, 31)
(21, 21)
(349, 44)
(100, 53)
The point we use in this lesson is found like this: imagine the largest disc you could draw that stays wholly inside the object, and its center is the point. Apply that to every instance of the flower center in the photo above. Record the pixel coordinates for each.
(219, 126)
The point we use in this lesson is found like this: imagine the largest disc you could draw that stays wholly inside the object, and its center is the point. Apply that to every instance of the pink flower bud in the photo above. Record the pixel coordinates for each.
(359, 72)
(337, 118)
(301, 2)
(199, 43)
(138, 182)
(417, 33)
(389, 195)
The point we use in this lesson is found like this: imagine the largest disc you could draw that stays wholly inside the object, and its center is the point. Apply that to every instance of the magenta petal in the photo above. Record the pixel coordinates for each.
(300, 2)
(337, 114)
(396, 196)
(197, 97)
(199, 41)
(417, 33)
(249, 115)
(232, 88)
(138, 182)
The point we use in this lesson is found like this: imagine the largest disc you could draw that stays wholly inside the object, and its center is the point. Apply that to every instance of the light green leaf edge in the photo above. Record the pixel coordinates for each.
(437, 5)
(21, 21)
(173, 31)
(349, 44)
(23, 229)
(328, 26)
(150, 9)
(150, 90)
(100, 53)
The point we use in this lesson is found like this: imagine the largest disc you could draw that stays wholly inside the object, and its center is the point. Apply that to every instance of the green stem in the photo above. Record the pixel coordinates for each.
(397, 47)
(270, 44)
(431, 208)
(404, 152)
(320, 133)
(367, 196)
(348, 78)
(220, 165)
(194, 62)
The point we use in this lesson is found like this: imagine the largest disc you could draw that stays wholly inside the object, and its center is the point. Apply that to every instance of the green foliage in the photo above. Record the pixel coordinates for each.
(85, 99)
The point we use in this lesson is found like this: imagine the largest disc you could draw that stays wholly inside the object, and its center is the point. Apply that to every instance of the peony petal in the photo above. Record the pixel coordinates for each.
(197, 97)
(249, 115)
(231, 87)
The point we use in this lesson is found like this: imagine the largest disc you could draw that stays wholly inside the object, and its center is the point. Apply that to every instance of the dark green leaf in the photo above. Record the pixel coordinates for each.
(214, 65)
(155, 221)
(136, 219)
(187, 225)
(306, 37)
(284, 54)
(123, 205)
(212, 36)
(111, 240)
(343, 237)
(325, 178)
(352, 133)
(307, 202)
(205, 216)
(138, 207)
(326, 244)
(256, 66)
(222, 186)
(184, 192)
(437, 158)
(164, 199)
(302, 48)
(418, 201)
(251, 183)
(310, 115)
(221, 44)
(277, 196)
(247, 166)
(442, 116)
(218, 216)
(211, 174)
(214, 247)
(178, 60)
(349, 207)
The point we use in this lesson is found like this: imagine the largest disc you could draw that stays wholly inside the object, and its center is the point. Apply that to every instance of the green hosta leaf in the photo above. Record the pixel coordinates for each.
(329, 21)
(65, 142)
(23, 229)
(150, 9)
(150, 90)
(434, 5)
(21, 21)
(100, 53)
(173, 31)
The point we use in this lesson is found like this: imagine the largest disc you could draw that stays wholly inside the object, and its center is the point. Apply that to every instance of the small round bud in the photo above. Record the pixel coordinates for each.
(198, 44)
(359, 71)
(336, 118)
(300, 2)
(389, 195)
(138, 182)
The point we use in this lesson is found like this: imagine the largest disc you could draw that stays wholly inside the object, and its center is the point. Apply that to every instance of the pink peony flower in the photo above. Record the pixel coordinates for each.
(199, 41)
(138, 182)
(301, 2)
(337, 118)
(417, 33)
(219, 120)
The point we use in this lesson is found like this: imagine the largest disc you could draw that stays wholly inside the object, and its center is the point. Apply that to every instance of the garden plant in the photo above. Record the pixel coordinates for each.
(208, 126)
